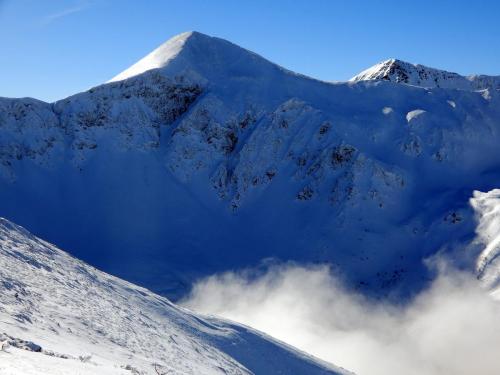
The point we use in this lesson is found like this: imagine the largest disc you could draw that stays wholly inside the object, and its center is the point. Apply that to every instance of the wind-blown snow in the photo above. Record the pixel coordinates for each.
(450, 328)
(88, 322)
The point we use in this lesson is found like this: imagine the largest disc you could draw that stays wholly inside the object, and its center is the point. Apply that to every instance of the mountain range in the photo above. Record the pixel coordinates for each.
(204, 157)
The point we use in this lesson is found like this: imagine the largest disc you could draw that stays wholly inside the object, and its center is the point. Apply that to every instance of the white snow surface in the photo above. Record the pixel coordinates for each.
(412, 115)
(87, 322)
(398, 71)
(487, 208)
(158, 58)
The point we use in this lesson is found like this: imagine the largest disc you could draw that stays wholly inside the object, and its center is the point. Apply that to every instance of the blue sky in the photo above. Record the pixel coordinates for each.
(52, 49)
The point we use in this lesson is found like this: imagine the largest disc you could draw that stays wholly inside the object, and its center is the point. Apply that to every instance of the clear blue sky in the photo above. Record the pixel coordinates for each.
(52, 49)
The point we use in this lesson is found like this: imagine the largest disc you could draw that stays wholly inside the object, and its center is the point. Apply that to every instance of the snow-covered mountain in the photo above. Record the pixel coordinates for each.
(419, 75)
(207, 157)
(59, 315)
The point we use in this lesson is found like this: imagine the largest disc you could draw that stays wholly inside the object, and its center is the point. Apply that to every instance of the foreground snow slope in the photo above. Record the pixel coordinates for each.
(398, 71)
(208, 158)
(88, 322)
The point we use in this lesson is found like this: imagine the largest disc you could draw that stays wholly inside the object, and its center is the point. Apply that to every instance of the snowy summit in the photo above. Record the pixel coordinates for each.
(398, 71)
(160, 57)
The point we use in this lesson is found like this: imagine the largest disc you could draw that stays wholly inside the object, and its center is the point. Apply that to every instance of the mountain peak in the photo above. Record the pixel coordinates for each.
(399, 71)
(161, 56)
(207, 56)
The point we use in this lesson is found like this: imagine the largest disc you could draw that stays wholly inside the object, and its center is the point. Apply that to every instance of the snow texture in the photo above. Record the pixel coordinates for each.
(487, 242)
(62, 316)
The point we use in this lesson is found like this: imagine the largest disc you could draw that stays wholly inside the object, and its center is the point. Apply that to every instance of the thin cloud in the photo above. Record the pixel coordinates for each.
(64, 13)
(451, 328)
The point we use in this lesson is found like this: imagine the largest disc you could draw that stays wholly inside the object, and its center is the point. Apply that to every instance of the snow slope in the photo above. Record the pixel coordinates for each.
(84, 321)
(419, 75)
(487, 243)
(158, 58)
(208, 158)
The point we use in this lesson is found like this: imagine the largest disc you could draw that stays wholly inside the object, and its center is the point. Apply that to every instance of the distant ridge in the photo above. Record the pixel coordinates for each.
(399, 71)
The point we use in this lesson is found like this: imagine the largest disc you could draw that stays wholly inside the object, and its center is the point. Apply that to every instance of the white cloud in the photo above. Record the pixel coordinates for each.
(65, 12)
(451, 328)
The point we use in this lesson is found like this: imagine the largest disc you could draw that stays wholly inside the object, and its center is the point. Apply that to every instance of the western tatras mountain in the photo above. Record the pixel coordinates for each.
(205, 157)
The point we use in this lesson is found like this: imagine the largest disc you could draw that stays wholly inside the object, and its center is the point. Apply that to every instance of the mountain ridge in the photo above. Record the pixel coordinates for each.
(156, 59)
(72, 317)
(398, 71)
(196, 53)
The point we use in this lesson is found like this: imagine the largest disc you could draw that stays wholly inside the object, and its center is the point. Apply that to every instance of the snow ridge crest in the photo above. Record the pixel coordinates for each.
(398, 71)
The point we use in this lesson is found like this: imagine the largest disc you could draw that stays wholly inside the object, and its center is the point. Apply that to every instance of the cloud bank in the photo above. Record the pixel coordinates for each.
(451, 328)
